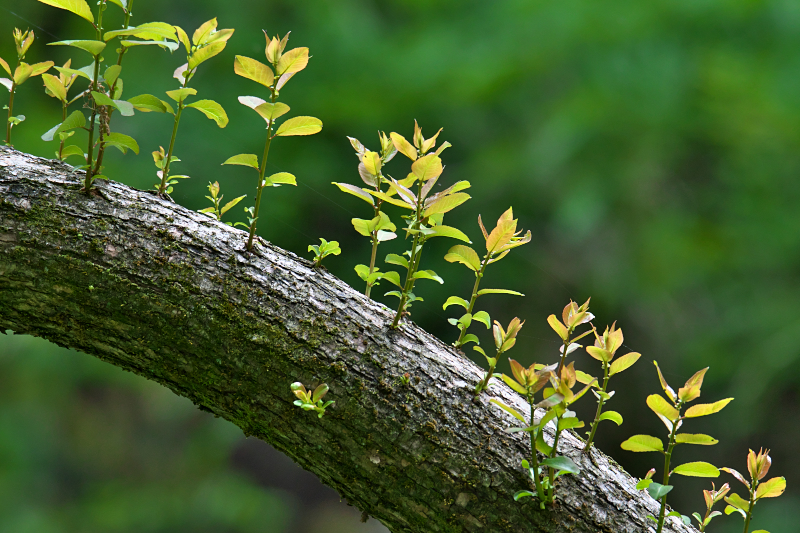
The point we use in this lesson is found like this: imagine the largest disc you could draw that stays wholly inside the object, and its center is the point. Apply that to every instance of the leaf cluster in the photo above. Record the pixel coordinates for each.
(311, 401)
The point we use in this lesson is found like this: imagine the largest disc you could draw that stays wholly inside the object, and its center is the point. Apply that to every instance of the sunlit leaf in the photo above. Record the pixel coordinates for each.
(403, 146)
(5, 66)
(93, 47)
(446, 203)
(447, 231)
(569, 422)
(122, 142)
(205, 53)
(737, 501)
(212, 110)
(427, 167)
(613, 416)
(163, 44)
(660, 406)
(201, 33)
(22, 73)
(464, 255)
(393, 278)
(253, 70)
(697, 469)
(281, 178)
(79, 7)
(270, 111)
(72, 150)
(76, 119)
(483, 318)
(704, 409)
(695, 438)
(40, 68)
(299, 126)
(499, 291)
(623, 363)
(179, 95)
(147, 103)
(246, 160)
(772, 488)
(427, 274)
(358, 192)
(292, 61)
(55, 86)
(643, 443)
(455, 300)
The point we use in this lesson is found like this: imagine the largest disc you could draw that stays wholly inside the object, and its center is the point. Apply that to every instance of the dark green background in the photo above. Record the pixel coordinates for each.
(653, 148)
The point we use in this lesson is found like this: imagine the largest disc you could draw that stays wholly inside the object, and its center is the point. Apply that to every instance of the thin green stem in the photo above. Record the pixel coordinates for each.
(478, 277)
(87, 186)
(600, 403)
(667, 460)
(110, 110)
(63, 118)
(10, 113)
(165, 171)
(553, 453)
(534, 457)
(753, 487)
(375, 243)
(414, 260)
(261, 172)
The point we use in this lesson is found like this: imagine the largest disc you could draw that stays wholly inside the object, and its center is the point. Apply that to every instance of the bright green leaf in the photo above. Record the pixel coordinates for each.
(179, 95)
(643, 443)
(212, 110)
(499, 291)
(246, 160)
(253, 70)
(93, 47)
(613, 416)
(358, 192)
(455, 300)
(695, 438)
(623, 363)
(205, 53)
(697, 469)
(299, 126)
(445, 203)
(79, 7)
(704, 409)
(483, 318)
(281, 178)
(464, 255)
(122, 142)
(147, 103)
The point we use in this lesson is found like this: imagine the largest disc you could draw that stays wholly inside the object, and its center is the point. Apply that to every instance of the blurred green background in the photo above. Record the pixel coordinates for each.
(653, 148)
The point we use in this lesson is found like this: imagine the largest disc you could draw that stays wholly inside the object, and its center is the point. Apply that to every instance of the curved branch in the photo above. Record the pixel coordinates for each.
(171, 295)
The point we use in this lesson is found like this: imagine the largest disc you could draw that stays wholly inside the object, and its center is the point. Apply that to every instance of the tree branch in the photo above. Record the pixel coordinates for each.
(173, 296)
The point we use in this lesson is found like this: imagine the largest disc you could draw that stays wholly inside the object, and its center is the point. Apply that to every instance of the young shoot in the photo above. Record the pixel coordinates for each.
(21, 73)
(217, 209)
(528, 382)
(323, 250)
(563, 418)
(58, 87)
(711, 497)
(604, 349)
(206, 43)
(284, 67)
(499, 242)
(669, 411)
(427, 212)
(379, 228)
(758, 465)
(573, 316)
(504, 340)
(311, 401)
(105, 91)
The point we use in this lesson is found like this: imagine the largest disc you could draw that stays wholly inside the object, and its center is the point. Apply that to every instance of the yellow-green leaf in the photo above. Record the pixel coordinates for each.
(270, 111)
(623, 363)
(704, 409)
(79, 7)
(40, 68)
(510, 410)
(599, 353)
(772, 488)
(372, 162)
(292, 61)
(737, 501)
(643, 443)
(358, 192)
(55, 86)
(660, 406)
(403, 146)
(464, 255)
(5, 66)
(499, 291)
(613, 416)
(558, 327)
(212, 110)
(206, 53)
(299, 126)
(427, 167)
(697, 469)
(122, 142)
(695, 438)
(22, 73)
(253, 70)
(93, 47)
(447, 231)
(281, 178)
(446, 203)
(246, 160)
(179, 95)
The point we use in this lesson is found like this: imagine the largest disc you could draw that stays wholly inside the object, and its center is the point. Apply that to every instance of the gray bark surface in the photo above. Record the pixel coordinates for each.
(171, 295)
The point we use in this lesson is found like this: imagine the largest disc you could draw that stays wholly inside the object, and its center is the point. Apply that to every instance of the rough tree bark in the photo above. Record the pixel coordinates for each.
(171, 295)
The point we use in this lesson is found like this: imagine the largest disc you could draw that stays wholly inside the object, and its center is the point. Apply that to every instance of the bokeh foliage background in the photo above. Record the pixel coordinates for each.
(653, 148)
